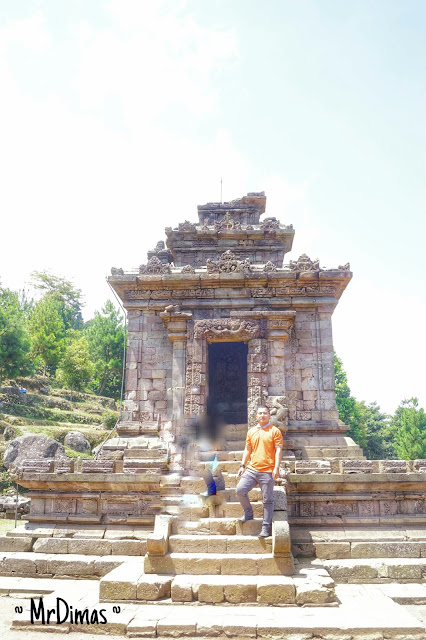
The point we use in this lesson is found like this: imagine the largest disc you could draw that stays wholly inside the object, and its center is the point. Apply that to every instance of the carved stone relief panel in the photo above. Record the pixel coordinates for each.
(226, 330)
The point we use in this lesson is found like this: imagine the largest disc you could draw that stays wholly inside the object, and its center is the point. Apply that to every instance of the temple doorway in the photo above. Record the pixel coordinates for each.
(227, 382)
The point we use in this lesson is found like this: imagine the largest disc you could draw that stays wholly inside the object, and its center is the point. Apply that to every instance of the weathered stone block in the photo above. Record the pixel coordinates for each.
(210, 592)
(385, 550)
(51, 545)
(119, 584)
(89, 547)
(280, 566)
(404, 571)
(240, 592)
(207, 564)
(332, 550)
(311, 593)
(239, 566)
(275, 591)
(163, 564)
(67, 566)
(151, 587)
(181, 589)
(128, 547)
(8, 543)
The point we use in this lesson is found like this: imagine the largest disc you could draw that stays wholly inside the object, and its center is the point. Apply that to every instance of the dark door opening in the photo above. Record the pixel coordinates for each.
(227, 398)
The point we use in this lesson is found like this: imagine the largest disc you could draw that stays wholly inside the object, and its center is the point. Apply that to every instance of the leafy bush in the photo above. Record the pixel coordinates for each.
(109, 419)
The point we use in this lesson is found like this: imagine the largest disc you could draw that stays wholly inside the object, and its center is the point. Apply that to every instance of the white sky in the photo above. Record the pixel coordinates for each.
(118, 117)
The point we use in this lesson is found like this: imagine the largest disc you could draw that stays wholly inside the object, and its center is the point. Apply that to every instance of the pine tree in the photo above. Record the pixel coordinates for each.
(67, 296)
(47, 332)
(14, 339)
(105, 334)
(409, 427)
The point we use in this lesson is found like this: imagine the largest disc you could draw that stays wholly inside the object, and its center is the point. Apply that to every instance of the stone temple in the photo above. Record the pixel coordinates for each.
(218, 325)
(219, 322)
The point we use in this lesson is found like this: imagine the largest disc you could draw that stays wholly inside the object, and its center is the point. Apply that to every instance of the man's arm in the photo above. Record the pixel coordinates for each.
(245, 459)
(278, 456)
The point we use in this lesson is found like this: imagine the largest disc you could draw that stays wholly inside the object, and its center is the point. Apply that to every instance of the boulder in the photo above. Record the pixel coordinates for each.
(78, 442)
(32, 447)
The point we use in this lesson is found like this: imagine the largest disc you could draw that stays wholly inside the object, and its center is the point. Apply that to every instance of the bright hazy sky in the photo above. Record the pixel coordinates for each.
(118, 117)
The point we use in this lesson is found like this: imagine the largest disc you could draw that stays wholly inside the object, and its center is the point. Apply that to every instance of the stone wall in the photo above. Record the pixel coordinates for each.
(148, 368)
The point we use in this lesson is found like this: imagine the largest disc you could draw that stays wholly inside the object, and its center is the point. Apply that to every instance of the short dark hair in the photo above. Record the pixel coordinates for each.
(263, 406)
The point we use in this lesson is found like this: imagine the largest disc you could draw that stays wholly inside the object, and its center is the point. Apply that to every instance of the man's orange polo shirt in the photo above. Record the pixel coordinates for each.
(263, 443)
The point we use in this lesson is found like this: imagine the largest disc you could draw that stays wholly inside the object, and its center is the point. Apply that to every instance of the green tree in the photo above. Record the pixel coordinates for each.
(374, 424)
(409, 430)
(347, 404)
(47, 332)
(105, 334)
(68, 297)
(76, 367)
(14, 339)
(368, 426)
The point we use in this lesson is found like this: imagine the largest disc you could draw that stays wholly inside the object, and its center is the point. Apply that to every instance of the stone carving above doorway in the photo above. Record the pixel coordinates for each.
(226, 329)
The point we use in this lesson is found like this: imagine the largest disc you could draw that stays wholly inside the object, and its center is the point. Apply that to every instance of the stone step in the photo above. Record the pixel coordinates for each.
(144, 463)
(46, 565)
(369, 542)
(143, 452)
(219, 563)
(91, 546)
(236, 445)
(224, 544)
(196, 485)
(376, 570)
(317, 452)
(227, 466)
(128, 583)
(233, 509)
(218, 526)
(364, 612)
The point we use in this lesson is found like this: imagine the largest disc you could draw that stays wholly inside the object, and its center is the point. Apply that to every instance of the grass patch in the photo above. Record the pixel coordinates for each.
(8, 525)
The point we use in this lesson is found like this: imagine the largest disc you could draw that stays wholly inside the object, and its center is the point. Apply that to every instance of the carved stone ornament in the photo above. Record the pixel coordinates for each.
(188, 268)
(227, 223)
(279, 412)
(154, 266)
(226, 329)
(269, 267)
(228, 263)
(270, 224)
(117, 271)
(187, 226)
(304, 263)
(344, 267)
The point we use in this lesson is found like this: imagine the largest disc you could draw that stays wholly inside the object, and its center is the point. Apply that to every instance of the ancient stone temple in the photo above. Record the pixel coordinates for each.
(219, 323)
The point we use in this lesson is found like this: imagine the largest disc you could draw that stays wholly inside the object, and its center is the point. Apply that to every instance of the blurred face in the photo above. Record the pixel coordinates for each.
(262, 416)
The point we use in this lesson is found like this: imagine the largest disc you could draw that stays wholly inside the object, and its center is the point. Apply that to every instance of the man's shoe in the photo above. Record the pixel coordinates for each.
(265, 532)
(245, 518)
(211, 490)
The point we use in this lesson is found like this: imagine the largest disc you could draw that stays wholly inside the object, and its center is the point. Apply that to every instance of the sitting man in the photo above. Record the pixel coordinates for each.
(264, 444)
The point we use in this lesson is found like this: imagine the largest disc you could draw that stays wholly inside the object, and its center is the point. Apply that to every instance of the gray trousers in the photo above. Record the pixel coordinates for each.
(266, 483)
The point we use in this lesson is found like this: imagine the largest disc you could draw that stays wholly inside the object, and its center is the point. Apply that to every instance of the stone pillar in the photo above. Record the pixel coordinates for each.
(325, 364)
(257, 377)
(133, 358)
(176, 324)
(278, 333)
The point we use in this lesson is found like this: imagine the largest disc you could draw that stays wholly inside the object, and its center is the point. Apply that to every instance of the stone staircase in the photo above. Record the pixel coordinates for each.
(198, 552)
